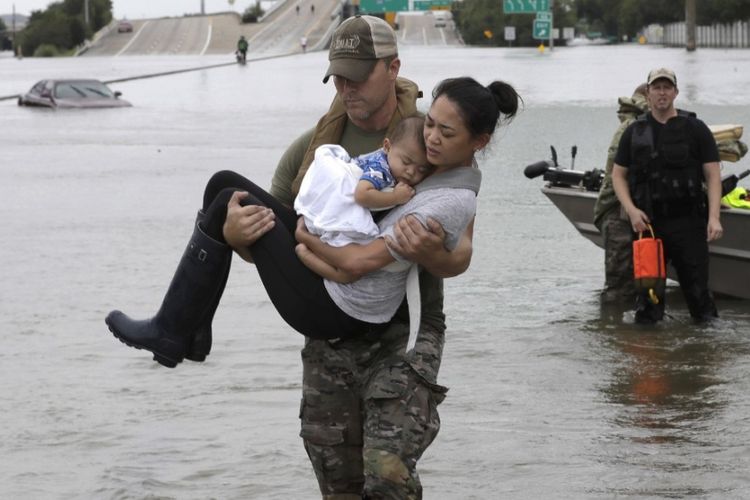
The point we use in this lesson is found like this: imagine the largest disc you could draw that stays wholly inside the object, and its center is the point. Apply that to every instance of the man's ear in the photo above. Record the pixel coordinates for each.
(394, 68)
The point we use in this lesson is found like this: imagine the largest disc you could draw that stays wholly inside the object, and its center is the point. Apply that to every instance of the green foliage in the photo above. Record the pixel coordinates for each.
(722, 11)
(253, 13)
(46, 50)
(482, 22)
(610, 18)
(63, 25)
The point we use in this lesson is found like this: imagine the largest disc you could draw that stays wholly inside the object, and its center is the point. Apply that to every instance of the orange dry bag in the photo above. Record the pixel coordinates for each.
(648, 264)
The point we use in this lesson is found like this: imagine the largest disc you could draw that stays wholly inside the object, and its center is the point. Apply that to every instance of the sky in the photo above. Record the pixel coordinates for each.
(137, 9)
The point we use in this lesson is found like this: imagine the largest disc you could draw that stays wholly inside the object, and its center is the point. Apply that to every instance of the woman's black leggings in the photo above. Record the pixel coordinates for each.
(297, 293)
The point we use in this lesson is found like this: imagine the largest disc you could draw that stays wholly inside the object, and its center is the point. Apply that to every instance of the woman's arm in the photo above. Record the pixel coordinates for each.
(321, 267)
(353, 260)
(426, 246)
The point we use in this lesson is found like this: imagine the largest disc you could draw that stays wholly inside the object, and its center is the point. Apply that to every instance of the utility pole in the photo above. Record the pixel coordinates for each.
(14, 30)
(203, 7)
(551, 25)
(690, 25)
(86, 12)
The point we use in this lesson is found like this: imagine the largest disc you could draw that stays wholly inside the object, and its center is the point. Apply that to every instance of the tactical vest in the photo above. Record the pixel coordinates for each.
(665, 178)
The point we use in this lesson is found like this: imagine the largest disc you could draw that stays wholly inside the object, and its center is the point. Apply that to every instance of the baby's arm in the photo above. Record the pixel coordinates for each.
(368, 196)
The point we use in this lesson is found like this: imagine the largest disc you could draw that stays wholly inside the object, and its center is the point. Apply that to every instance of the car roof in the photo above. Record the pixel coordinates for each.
(55, 81)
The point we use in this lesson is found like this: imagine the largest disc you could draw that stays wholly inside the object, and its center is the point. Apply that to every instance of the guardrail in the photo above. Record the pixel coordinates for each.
(734, 35)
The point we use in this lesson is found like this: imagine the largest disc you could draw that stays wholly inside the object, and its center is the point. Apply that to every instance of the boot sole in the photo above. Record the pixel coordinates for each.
(159, 358)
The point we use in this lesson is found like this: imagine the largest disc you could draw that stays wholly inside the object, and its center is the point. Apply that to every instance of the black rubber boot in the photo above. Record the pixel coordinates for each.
(200, 346)
(189, 301)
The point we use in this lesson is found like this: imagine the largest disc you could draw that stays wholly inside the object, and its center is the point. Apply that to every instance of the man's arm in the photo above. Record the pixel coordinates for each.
(712, 174)
(638, 218)
(426, 247)
(288, 167)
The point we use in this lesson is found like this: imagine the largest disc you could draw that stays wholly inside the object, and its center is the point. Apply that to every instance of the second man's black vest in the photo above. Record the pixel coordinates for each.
(665, 177)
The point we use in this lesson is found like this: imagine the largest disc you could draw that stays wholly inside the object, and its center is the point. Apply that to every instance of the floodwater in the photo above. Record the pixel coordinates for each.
(551, 397)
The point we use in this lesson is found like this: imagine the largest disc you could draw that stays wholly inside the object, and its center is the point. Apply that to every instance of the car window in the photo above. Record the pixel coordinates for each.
(82, 90)
(37, 89)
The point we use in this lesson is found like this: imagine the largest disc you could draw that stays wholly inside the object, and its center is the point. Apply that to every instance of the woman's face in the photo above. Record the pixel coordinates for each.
(448, 140)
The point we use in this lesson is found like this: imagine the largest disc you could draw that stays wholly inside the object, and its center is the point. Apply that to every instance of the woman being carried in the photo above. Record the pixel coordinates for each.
(460, 122)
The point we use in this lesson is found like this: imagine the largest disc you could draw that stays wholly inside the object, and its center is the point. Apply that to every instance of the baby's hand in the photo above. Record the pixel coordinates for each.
(403, 193)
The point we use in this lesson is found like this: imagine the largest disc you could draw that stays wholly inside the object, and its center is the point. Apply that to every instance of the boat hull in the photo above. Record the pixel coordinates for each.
(729, 257)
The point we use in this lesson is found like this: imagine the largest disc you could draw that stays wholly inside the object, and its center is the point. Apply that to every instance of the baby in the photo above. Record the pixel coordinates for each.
(338, 191)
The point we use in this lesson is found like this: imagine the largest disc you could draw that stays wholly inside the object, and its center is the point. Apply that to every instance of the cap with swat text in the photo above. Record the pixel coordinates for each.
(356, 46)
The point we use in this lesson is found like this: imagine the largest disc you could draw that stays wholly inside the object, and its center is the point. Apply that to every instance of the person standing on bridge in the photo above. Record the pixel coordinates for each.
(242, 49)
(663, 159)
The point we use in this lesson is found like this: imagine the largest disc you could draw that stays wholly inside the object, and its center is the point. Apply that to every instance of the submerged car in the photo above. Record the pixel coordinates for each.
(72, 94)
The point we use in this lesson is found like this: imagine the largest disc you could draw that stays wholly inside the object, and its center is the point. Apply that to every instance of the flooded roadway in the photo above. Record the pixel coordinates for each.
(551, 397)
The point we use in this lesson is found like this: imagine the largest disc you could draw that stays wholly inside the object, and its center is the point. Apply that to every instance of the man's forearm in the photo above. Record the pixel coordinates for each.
(713, 187)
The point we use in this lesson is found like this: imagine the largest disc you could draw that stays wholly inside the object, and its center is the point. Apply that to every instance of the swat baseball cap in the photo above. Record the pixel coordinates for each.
(665, 73)
(356, 46)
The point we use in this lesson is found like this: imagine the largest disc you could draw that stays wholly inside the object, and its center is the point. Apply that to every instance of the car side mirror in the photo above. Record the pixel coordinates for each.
(117, 94)
(46, 93)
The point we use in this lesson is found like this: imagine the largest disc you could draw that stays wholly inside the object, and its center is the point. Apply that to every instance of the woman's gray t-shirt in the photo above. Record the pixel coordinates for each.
(376, 296)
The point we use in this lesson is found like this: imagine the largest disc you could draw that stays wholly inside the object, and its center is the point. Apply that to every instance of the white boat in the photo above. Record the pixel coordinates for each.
(574, 193)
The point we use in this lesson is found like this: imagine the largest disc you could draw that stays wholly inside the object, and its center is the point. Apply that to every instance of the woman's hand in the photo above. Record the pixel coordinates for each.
(244, 225)
(426, 246)
(415, 242)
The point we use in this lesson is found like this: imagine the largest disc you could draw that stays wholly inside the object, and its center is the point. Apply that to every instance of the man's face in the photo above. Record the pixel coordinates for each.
(661, 95)
(363, 99)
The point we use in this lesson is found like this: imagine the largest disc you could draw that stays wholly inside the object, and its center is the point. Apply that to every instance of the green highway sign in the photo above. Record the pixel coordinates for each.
(544, 16)
(542, 30)
(525, 6)
(373, 6)
(432, 4)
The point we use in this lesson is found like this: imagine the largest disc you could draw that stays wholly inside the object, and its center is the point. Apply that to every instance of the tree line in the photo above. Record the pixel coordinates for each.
(482, 22)
(62, 27)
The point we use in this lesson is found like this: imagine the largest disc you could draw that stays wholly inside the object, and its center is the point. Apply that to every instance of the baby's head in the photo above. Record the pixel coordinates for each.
(406, 151)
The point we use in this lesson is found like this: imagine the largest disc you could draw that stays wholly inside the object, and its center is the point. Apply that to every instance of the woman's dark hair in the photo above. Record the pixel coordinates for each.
(480, 106)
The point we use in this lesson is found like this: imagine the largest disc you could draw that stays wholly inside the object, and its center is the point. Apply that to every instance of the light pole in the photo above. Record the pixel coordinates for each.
(690, 25)
(86, 12)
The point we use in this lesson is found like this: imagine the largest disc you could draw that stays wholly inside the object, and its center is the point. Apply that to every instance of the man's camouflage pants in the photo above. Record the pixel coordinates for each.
(618, 257)
(367, 417)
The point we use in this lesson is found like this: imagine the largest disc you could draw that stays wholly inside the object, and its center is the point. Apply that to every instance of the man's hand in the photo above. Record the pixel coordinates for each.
(714, 230)
(415, 242)
(638, 219)
(243, 226)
